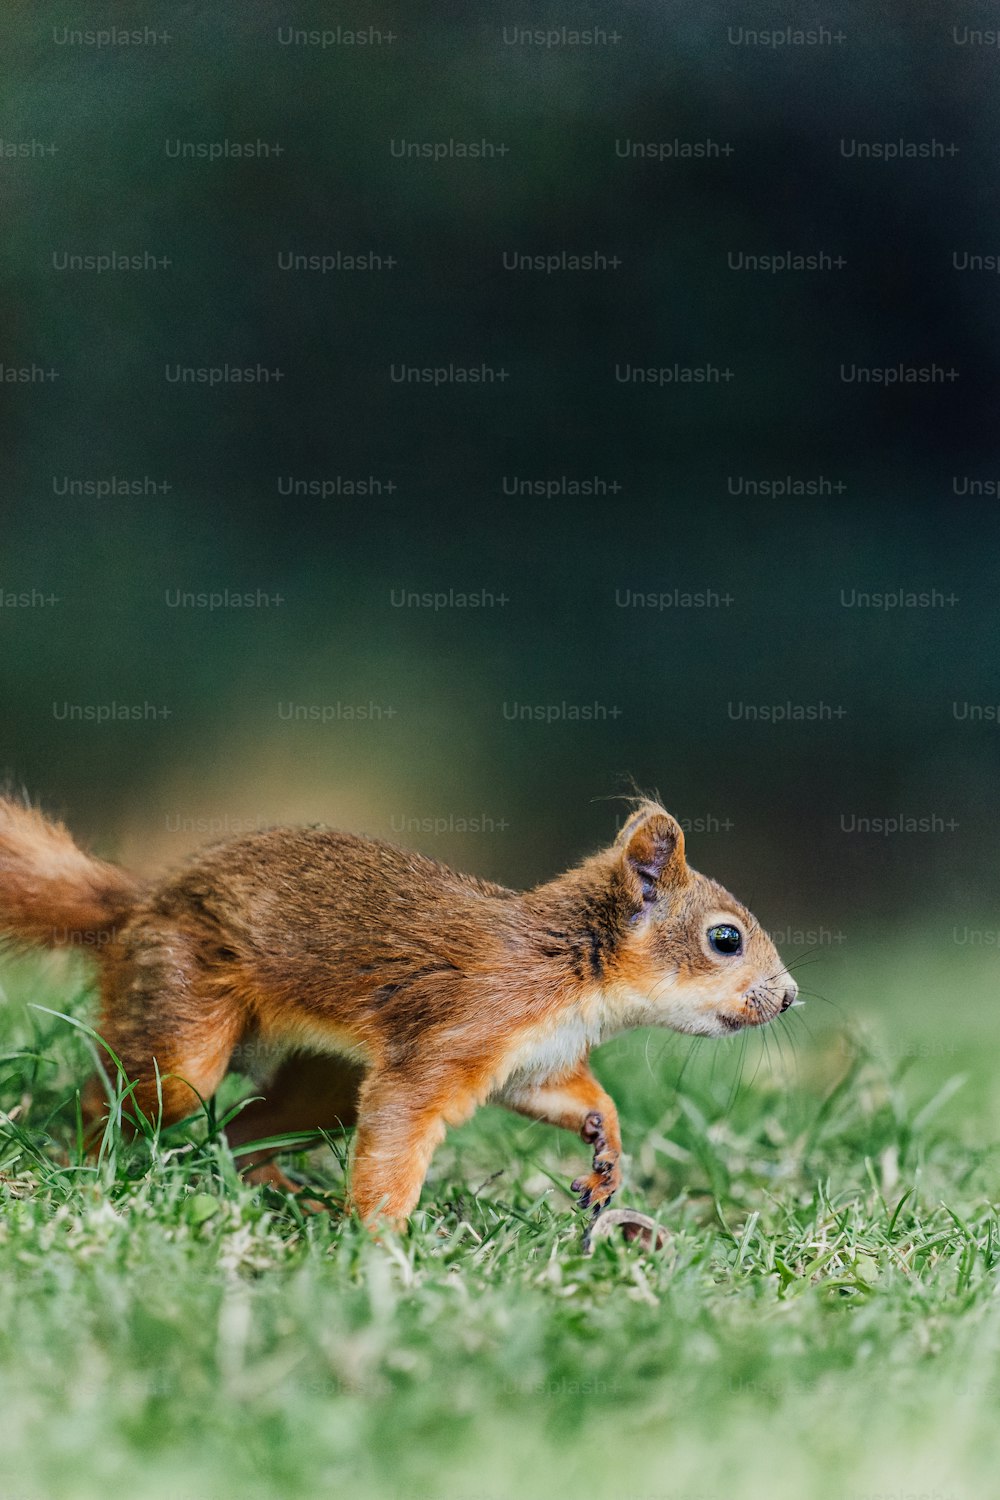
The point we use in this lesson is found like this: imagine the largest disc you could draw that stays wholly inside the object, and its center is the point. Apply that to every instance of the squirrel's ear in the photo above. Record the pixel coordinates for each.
(654, 852)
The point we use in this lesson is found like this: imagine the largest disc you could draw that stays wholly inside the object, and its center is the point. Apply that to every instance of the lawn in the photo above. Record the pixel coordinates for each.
(823, 1321)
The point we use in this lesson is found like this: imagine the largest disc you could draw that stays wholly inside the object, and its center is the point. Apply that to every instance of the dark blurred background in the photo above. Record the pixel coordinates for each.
(494, 735)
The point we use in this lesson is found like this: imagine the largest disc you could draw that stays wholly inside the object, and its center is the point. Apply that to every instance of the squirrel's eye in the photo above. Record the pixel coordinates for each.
(725, 938)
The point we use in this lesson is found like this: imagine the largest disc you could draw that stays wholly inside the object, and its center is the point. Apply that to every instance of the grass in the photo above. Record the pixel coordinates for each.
(824, 1321)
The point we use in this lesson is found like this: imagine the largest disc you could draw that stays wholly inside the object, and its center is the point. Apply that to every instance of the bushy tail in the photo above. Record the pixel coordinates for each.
(51, 892)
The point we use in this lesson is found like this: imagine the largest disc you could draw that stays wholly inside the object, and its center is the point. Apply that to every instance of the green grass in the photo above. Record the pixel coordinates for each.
(824, 1322)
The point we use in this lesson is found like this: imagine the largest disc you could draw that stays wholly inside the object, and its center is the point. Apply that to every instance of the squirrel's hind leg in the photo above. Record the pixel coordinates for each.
(170, 1025)
(307, 1092)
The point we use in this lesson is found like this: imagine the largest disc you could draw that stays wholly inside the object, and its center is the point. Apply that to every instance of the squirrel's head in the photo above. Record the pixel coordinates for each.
(689, 956)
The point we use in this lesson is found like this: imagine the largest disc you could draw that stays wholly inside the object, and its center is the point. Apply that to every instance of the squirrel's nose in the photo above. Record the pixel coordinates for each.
(789, 995)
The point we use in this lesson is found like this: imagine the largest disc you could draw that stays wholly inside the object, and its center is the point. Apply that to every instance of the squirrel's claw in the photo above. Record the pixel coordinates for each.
(598, 1187)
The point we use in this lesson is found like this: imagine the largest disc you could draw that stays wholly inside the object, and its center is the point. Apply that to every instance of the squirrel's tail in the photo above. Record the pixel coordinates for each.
(51, 892)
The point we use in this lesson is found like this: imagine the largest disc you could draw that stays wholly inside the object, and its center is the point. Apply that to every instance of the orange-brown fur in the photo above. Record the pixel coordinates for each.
(423, 993)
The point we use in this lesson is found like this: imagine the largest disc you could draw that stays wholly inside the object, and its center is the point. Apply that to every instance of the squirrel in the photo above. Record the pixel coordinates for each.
(416, 993)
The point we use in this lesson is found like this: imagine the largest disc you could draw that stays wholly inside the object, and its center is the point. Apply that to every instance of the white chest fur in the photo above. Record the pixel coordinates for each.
(551, 1048)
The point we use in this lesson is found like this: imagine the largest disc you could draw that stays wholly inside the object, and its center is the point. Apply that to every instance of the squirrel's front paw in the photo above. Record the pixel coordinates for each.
(599, 1186)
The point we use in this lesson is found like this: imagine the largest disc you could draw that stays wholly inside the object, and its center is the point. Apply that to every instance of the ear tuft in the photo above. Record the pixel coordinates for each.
(654, 851)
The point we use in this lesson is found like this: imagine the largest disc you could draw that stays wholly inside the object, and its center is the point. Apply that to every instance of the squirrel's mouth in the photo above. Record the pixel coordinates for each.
(755, 1011)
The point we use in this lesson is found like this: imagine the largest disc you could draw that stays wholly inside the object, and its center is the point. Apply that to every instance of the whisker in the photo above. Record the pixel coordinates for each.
(734, 1091)
(793, 1040)
(780, 1038)
(815, 995)
(696, 1043)
(764, 1053)
(645, 1053)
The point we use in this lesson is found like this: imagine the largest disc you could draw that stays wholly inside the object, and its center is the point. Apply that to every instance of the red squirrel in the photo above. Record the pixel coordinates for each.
(417, 993)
